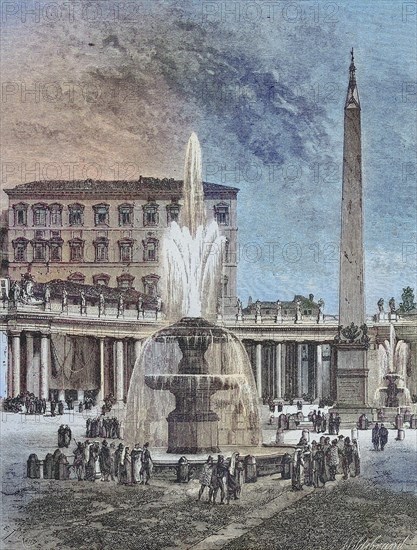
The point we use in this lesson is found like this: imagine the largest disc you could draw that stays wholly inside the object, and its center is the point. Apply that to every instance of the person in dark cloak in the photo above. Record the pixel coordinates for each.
(383, 436)
(146, 464)
(63, 467)
(67, 435)
(53, 407)
(376, 437)
(60, 407)
(117, 461)
(61, 431)
(105, 462)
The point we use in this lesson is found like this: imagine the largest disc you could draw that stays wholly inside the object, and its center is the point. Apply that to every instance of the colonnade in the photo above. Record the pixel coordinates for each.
(29, 365)
(292, 368)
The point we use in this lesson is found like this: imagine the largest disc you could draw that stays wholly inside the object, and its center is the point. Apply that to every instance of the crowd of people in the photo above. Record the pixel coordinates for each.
(318, 463)
(28, 403)
(25, 402)
(103, 427)
(111, 463)
(323, 421)
(224, 477)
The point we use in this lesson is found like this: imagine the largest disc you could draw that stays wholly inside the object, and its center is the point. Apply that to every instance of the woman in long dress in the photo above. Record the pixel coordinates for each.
(298, 471)
(136, 456)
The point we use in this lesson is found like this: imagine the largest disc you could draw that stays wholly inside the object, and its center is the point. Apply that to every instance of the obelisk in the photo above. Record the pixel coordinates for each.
(352, 340)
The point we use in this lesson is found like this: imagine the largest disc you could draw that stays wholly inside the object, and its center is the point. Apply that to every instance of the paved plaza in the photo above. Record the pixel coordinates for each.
(49, 514)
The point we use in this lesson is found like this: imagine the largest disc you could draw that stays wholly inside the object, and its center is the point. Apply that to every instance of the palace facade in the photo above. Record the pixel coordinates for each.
(108, 232)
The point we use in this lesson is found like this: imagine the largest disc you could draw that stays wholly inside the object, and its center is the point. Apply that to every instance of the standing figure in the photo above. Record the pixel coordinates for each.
(347, 458)
(60, 407)
(83, 303)
(356, 458)
(117, 461)
(53, 407)
(158, 307)
(333, 459)
(375, 437)
(318, 467)
(298, 471)
(136, 456)
(205, 477)
(232, 478)
(101, 304)
(78, 463)
(380, 305)
(217, 480)
(64, 300)
(392, 306)
(120, 306)
(47, 297)
(140, 307)
(383, 436)
(127, 463)
(146, 464)
(104, 460)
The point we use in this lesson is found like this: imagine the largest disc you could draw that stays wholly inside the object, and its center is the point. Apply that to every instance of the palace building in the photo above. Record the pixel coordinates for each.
(108, 232)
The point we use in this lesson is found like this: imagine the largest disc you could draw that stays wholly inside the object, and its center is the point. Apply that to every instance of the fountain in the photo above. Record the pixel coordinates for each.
(206, 397)
(393, 357)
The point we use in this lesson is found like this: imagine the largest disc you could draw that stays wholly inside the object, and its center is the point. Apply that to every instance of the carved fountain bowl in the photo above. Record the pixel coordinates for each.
(193, 383)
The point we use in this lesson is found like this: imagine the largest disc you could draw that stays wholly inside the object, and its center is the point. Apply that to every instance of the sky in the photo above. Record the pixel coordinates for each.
(108, 89)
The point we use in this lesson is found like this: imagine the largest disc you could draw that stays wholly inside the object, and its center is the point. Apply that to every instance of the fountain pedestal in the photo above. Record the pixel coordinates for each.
(192, 425)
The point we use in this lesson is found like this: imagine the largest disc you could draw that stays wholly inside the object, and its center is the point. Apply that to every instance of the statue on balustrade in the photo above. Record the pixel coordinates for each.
(392, 306)
(380, 304)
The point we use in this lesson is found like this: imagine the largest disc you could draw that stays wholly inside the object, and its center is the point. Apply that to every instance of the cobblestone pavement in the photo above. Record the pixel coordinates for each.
(52, 514)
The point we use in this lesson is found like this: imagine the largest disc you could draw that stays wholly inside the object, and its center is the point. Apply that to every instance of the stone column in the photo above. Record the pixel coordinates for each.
(138, 349)
(16, 364)
(119, 370)
(259, 368)
(102, 373)
(283, 369)
(299, 370)
(44, 385)
(30, 375)
(278, 369)
(319, 371)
